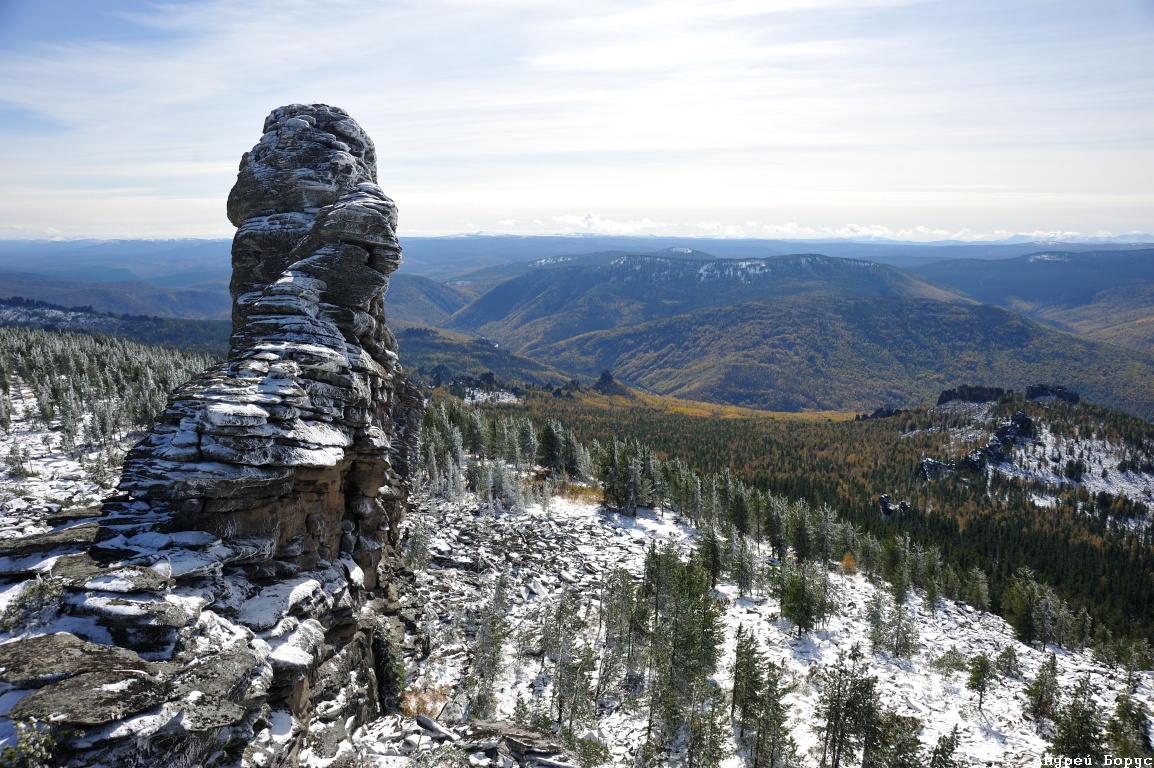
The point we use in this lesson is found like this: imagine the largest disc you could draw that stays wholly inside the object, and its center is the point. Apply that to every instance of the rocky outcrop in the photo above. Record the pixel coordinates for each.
(1008, 434)
(229, 607)
(1046, 392)
(971, 394)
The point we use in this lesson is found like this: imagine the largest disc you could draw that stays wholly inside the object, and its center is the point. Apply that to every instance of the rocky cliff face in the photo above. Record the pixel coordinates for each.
(230, 605)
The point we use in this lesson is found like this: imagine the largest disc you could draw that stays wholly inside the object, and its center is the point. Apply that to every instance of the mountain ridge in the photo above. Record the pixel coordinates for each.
(548, 305)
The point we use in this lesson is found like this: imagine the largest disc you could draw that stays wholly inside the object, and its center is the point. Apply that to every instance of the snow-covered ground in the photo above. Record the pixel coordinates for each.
(496, 396)
(47, 481)
(1042, 458)
(575, 545)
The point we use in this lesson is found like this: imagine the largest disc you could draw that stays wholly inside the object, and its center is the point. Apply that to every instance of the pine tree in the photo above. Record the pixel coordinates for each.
(770, 742)
(492, 629)
(895, 743)
(977, 591)
(1078, 725)
(904, 632)
(741, 567)
(982, 676)
(710, 554)
(877, 614)
(1019, 604)
(1007, 663)
(805, 592)
(944, 754)
(847, 710)
(1042, 694)
(747, 679)
(1128, 732)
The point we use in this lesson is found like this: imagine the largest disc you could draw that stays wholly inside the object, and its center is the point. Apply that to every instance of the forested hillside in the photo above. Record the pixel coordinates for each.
(1092, 557)
(833, 353)
(699, 618)
(549, 305)
(208, 300)
(439, 355)
(1105, 295)
(419, 300)
(86, 392)
(206, 336)
(790, 333)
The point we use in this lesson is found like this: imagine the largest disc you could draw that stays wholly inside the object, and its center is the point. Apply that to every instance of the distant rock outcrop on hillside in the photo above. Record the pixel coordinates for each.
(971, 394)
(1044, 391)
(231, 606)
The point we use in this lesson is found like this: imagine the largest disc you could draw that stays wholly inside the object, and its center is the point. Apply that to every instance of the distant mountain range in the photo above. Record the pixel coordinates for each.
(549, 305)
(209, 301)
(733, 321)
(791, 333)
(184, 262)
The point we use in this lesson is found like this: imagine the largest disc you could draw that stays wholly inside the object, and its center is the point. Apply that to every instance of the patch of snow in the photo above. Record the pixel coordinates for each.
(265, 609)
(497, 396)
(123, 685)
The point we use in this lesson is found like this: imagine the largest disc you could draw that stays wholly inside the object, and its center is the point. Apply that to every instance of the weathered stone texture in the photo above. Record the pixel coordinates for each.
(237, 570)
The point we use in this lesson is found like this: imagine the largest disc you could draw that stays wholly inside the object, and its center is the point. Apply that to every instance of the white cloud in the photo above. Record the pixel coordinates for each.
(717, 229)
(592, 222)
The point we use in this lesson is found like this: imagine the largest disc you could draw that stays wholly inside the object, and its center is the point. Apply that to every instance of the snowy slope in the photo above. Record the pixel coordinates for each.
(48, 482)
(575, 545)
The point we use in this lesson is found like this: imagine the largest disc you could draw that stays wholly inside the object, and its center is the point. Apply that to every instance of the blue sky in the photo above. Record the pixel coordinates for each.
(794, 118)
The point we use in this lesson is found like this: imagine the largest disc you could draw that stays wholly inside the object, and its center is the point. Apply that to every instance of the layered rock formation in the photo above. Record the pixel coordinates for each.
(230, 605)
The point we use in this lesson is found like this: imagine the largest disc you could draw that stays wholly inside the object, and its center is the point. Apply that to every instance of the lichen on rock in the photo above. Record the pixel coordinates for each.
(242, 564)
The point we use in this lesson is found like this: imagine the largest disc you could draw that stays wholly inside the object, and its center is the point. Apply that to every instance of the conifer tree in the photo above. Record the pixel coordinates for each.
(1042, 694)
(1007, 663)
(847, 710)
(747, 679)
(894, 743)
(805, 592)
(1019, 604)
(772, 744)
(492, 629)
(982, 676)
(944, 754)
(1078, 728)
(1128, 731)
(977, 590)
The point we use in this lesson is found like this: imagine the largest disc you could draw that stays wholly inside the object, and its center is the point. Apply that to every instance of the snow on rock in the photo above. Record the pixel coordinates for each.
(213, 572)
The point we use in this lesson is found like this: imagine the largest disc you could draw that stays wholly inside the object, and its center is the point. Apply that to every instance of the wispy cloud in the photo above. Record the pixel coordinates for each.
(657, 111)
